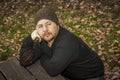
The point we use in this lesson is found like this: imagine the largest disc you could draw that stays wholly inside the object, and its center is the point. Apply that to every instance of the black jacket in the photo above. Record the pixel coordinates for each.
(68, 56)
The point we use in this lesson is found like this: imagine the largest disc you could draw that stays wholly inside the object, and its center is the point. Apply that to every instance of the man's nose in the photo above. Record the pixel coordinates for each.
(45, 28)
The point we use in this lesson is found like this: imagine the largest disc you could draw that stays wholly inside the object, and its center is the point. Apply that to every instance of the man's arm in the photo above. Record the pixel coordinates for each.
(63, 55)
(29, 52)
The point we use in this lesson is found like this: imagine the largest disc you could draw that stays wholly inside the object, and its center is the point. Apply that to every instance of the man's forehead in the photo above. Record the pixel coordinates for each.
(42, 21)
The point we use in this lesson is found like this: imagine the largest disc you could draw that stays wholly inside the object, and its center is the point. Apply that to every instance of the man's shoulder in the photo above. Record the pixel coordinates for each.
(66, 33)
(67, 37)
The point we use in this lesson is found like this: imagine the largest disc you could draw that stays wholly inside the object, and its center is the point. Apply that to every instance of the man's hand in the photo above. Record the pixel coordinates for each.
(35, 36)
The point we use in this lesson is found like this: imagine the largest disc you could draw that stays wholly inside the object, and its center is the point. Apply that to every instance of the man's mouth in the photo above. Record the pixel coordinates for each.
(47, 34)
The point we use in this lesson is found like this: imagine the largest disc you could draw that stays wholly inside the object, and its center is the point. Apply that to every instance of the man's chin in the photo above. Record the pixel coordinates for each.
(49, 40)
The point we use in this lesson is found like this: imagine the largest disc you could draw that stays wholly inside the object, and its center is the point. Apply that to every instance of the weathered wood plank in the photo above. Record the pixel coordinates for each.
(40, 74)
(13, 71)
(1, 76)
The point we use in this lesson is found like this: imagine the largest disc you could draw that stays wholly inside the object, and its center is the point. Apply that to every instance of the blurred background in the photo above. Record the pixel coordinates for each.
(97, 22)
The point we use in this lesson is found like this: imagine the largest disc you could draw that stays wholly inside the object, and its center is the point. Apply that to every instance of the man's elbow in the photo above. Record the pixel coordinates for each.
(53, 73)
(26, 58)
(25, 63)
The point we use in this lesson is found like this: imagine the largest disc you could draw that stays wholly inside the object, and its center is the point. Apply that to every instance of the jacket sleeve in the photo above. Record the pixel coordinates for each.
(61, 58)
(29, 52)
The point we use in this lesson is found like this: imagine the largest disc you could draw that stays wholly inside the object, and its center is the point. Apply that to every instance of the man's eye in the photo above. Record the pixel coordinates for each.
(40, 26)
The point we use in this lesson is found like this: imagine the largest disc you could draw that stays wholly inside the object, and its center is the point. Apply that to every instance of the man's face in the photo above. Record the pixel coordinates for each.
(47, 29)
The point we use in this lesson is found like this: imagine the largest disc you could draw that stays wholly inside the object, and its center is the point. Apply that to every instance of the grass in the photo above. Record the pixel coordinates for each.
(112, 36)
(97, 25)
(113, 64)
(6, 52)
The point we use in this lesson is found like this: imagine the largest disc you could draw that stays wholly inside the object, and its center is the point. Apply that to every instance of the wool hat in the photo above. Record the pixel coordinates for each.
(46, 13)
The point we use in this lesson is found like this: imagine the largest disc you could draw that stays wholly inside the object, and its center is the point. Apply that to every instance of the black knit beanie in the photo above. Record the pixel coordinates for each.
(46, 13)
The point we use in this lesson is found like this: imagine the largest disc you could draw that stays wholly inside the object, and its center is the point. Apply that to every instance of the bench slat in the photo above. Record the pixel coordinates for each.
(1, 76)
(13, 71)
(40, 74)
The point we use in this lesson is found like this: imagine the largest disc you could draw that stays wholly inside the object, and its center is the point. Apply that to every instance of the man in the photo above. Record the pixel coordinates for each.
(59, 51)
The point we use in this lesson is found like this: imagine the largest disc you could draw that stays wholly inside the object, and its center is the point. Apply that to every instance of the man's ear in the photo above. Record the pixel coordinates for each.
(58, 27)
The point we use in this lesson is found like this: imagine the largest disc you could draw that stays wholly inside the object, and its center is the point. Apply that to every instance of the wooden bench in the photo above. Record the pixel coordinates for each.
(11, 70)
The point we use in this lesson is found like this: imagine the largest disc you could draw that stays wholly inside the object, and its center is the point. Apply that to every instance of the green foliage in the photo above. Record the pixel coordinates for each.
(113, 64)
(97, 25)
(6, 53)
(112, 36)
(3, 56)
